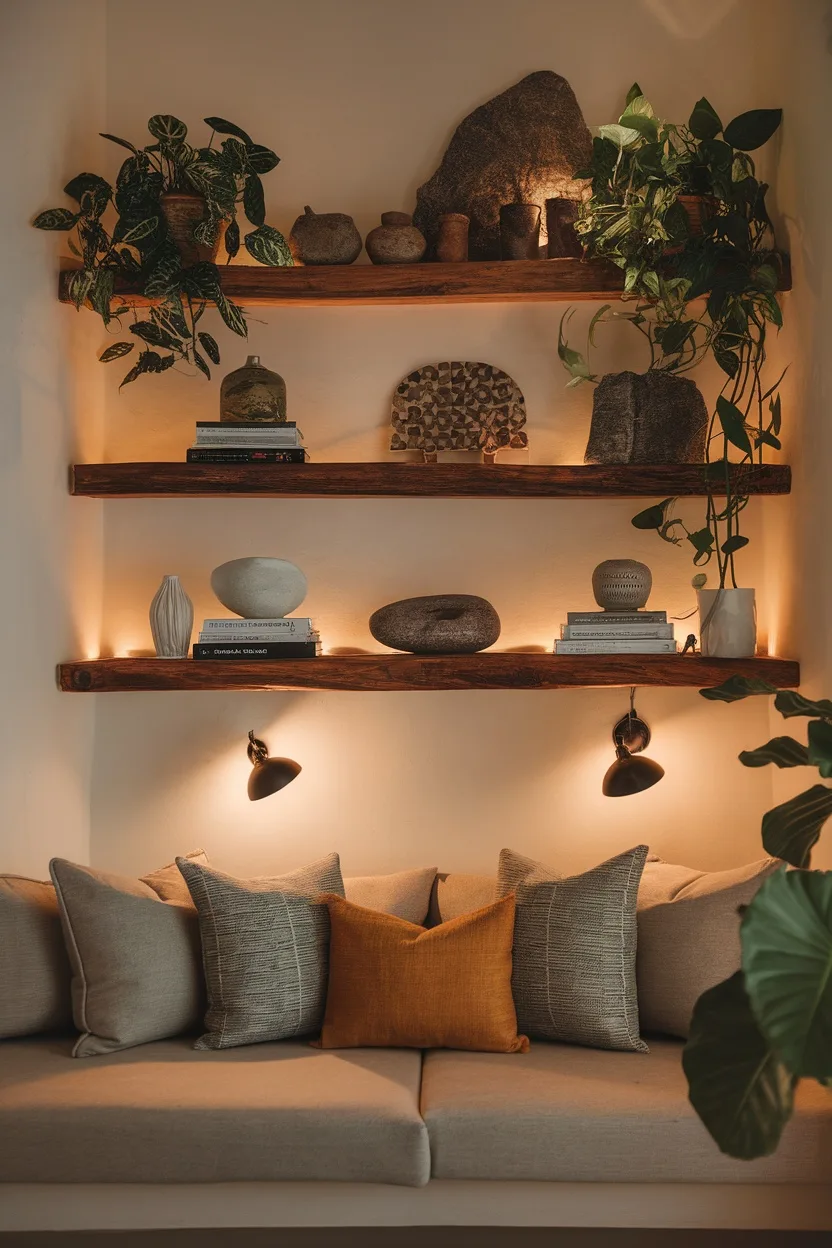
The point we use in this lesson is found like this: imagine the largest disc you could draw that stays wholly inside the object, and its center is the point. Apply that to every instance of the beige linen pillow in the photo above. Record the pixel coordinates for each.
(34, 968)
(167, 881)
(404, 894)
(265, 951)
(689, 936)
(135, 959)
(455, 893)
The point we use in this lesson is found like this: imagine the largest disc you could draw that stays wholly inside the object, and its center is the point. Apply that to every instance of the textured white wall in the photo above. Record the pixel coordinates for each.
(52, 87)
(359, 100)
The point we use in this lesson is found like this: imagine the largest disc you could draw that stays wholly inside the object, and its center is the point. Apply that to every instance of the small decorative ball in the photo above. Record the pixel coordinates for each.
(259, 588)
(621, 584)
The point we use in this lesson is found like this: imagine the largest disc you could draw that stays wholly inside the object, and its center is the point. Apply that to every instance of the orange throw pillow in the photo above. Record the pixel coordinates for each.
(395, 984)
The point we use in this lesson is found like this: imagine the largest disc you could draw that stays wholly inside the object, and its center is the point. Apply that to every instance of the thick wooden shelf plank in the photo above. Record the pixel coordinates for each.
(401, 672)
(487, 281)
(408, 480)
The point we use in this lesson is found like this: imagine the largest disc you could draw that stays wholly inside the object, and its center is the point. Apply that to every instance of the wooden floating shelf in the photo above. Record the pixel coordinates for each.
(403, 672)
(486, 281)
(408, 480)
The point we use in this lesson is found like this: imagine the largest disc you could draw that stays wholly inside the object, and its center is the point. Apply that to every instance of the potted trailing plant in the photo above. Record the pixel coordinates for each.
(754, 1036)
(703, 285)
(174, 206)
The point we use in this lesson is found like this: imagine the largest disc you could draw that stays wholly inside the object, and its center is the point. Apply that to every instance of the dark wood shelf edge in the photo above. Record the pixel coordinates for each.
(408, 480)
(407, 672)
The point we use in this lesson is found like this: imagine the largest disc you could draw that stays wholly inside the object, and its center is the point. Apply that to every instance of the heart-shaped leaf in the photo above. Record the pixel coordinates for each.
(209, 346)
(254, 202)
(738, 1087)
(261, 159)
(791, 830)
(735, 688)
(231, 314)
(268, 246)
(782, 751)
(787, 957)
(820, 746)
(752, 129)
(167, 129)
(733, 424)
(704, 122)
(55, 219)
(734, 543)
(790, 704)
(652, 517)
(226, 127)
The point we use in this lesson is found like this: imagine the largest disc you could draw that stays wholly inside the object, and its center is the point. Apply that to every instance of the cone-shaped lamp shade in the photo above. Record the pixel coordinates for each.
(629, 775)
(268, 775)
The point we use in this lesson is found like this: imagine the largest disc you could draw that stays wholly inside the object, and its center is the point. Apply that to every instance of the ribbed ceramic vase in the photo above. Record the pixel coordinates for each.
(621, 584)
(727, 623)
(171, 620)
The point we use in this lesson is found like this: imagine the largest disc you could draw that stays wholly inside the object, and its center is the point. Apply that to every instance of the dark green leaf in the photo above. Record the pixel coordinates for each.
(782, 751)
(739, 1089)
(763, 437)
(787, 957)
(121, 142)
(233, 315)
(766, 278)
(235, 155)
(209, 346)
(154, 335)
(201, 281)
(734, 543)
(820, 746)
(254, 202)
(167, 129)
(101, 293)
(790, 704)
(226, 127)
(752, 129)
(675, 335)
(702, 541)
(735, 688)
(633, 94)
(55, 219)
(647, 127)
(148, 362)
(164, 278)
(200, 363)
(261, 159)
(78, 284)
(140, 231)
(704, 121)
(792, 829)
(232, 239)
(91, 185)
(268, 246)
(733, 424)
(172, 316)
(776, 417)
(727, 361)
(116, 351)
(652, 517)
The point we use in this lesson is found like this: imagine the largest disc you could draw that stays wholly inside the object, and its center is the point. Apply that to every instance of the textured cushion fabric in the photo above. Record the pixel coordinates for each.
(689, 936)
(34, 968)
(264, 951)
(135, 960)
(395, 983)
(455, 893)
(574, 1115)
(168, 882)
(406, 894)
(165, 1114)
(574, 974)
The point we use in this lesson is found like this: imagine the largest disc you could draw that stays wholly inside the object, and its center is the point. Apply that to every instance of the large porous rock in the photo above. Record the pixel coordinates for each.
(437, 624)
(647, 418)
(523, 146)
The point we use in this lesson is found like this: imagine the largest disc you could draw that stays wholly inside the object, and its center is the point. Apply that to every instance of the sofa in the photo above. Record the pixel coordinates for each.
(284, 1134)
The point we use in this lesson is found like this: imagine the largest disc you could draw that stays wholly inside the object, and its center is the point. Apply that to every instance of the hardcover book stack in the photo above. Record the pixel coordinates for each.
(291, 637)
(247, 442)
(616, 632)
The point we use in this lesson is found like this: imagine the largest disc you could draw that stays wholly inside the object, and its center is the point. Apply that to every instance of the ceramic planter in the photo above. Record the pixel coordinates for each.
(183, 213)
(727, 623)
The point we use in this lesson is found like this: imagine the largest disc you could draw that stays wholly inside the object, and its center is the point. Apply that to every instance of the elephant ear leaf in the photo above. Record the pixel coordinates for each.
(735, 688)
(787, 955)
(789, 704)
(791, 830)
(738, 1086)
(782, 751)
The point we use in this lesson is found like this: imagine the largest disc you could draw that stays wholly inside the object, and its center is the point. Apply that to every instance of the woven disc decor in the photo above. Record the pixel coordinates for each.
(458, 405)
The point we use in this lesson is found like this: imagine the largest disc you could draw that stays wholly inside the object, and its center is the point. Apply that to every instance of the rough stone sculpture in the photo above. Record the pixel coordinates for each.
(523, 146)
(458, 405)
(437, 624)
(647, 418)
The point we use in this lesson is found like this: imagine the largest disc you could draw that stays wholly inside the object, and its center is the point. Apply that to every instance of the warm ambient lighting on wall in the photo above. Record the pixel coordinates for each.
(629, 775)
(268, 775)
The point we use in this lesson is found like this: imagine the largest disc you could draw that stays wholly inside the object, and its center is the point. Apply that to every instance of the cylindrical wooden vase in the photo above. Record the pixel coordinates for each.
(452, 242)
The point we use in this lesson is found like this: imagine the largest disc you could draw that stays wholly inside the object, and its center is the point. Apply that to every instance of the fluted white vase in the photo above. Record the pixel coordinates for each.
(171, 620)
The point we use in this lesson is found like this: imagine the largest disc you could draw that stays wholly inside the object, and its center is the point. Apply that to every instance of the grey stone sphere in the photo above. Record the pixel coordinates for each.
(259, 588)
(437, 624)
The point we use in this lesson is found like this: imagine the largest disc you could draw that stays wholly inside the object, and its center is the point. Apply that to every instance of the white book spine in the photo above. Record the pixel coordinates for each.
(254, 634)
(616, 617)
(614, 632)
(295, 624)
(635, 646)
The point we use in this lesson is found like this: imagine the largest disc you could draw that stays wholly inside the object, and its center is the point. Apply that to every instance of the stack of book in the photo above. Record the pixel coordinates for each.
(247, 442)
(616, 632)
(292, 637)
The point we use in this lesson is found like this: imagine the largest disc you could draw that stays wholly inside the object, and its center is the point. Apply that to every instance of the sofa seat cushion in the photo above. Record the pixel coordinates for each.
(164, 1113)
(566, 1114)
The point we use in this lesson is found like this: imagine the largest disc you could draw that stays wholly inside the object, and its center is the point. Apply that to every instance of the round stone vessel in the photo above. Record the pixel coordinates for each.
(324, 238)
(259, 588)
(437, 624)
(253, 393)
(396, 240)
(622, 584)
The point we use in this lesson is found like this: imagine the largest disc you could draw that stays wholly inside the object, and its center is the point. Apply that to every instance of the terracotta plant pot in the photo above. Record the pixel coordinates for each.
(183, 212)
(699, 209)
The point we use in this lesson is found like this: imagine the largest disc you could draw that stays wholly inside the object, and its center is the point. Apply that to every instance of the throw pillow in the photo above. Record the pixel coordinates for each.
(689, 936)
(406, 894)
(168, 883)
(34, 969)
(395, 984)
(455, 893)
(134, 959)
(574, 972)
(265, 945)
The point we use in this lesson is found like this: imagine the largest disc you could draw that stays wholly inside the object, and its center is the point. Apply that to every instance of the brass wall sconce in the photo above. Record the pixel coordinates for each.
(629, 774)
(268, 775)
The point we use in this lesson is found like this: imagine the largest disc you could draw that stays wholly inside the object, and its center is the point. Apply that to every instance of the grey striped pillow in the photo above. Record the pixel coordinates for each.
(265, 951)
(574, 973)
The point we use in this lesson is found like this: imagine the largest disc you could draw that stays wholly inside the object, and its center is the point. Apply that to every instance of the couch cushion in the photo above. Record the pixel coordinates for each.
(164, 1113)
(34, 968)
(569, 1114)
(406, 894)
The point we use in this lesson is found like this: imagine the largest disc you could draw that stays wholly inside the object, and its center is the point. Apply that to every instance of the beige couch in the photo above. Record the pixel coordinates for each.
(286, 1135)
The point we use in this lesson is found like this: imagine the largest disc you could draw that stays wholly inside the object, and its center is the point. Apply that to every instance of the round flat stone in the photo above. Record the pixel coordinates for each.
(437, 624)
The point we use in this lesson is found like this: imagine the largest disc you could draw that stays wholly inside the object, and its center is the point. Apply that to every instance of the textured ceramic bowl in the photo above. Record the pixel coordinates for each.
(259, 588)
(622, 584)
